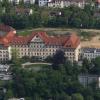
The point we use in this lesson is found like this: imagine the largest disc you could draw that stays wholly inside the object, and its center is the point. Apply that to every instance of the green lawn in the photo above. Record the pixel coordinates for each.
(85, 34)
(24, 32)
(50, 31)
(36, 67)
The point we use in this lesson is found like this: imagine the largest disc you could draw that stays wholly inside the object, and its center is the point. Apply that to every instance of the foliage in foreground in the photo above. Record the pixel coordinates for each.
(55, 83)
(70, 17)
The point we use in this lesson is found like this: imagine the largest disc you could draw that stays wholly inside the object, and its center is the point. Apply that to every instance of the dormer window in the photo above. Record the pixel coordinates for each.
(37, 36)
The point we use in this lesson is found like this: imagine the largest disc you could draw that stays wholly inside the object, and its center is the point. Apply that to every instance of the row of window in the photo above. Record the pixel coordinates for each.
(3, 55)
(42, 50)
(3, 51)
(3, 59)
(35, 46)
(24, 46)
(41, 54)
(46, 53)
(70, 54)
(88, 55)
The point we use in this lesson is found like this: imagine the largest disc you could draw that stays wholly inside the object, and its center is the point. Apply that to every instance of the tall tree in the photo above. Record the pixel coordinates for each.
(58, 58)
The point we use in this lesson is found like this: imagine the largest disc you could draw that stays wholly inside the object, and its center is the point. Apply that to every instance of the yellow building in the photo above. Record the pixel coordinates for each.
(42, 45)
(38, 44)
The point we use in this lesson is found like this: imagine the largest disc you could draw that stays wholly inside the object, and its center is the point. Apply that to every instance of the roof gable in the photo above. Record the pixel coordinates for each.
(69, 41)
(37, 38)
(73, 41)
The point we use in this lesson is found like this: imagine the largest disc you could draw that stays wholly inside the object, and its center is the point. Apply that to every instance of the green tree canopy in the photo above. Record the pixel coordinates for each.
(77, 96)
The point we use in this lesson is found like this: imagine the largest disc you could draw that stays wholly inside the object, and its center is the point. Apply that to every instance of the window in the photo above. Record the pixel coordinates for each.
(37, 36)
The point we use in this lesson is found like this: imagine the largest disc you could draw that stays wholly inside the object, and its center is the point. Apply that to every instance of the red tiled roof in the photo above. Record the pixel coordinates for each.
(66, 41)
(6, 28)
(72, 41)
(18, 40)
(10, 33)
(42, 35)
(11, 38)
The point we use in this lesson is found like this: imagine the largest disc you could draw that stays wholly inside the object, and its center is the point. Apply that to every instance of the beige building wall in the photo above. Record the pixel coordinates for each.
(23, 50)
(4, 54)
(41, 51)
(77, 52)
(37, 47)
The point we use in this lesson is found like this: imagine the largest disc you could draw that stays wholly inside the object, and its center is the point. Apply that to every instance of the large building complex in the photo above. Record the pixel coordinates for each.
(41, 45)
(6, 35)
(67, 3)
(64, 3)
(37, 44)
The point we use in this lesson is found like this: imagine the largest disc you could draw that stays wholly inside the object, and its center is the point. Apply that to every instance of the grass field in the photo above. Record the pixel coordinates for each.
(24, 32)
(89, 37)
(56, 30)
(36, 67)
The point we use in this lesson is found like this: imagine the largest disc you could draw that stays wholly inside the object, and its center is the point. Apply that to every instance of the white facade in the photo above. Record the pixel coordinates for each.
(4, 54)
(37, 47)
(43, 2)
(90, 53)
(29, 1)
(66, 3)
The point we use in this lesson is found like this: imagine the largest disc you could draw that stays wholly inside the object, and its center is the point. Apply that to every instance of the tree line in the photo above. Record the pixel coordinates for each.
(69, 17)
(56, 82)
